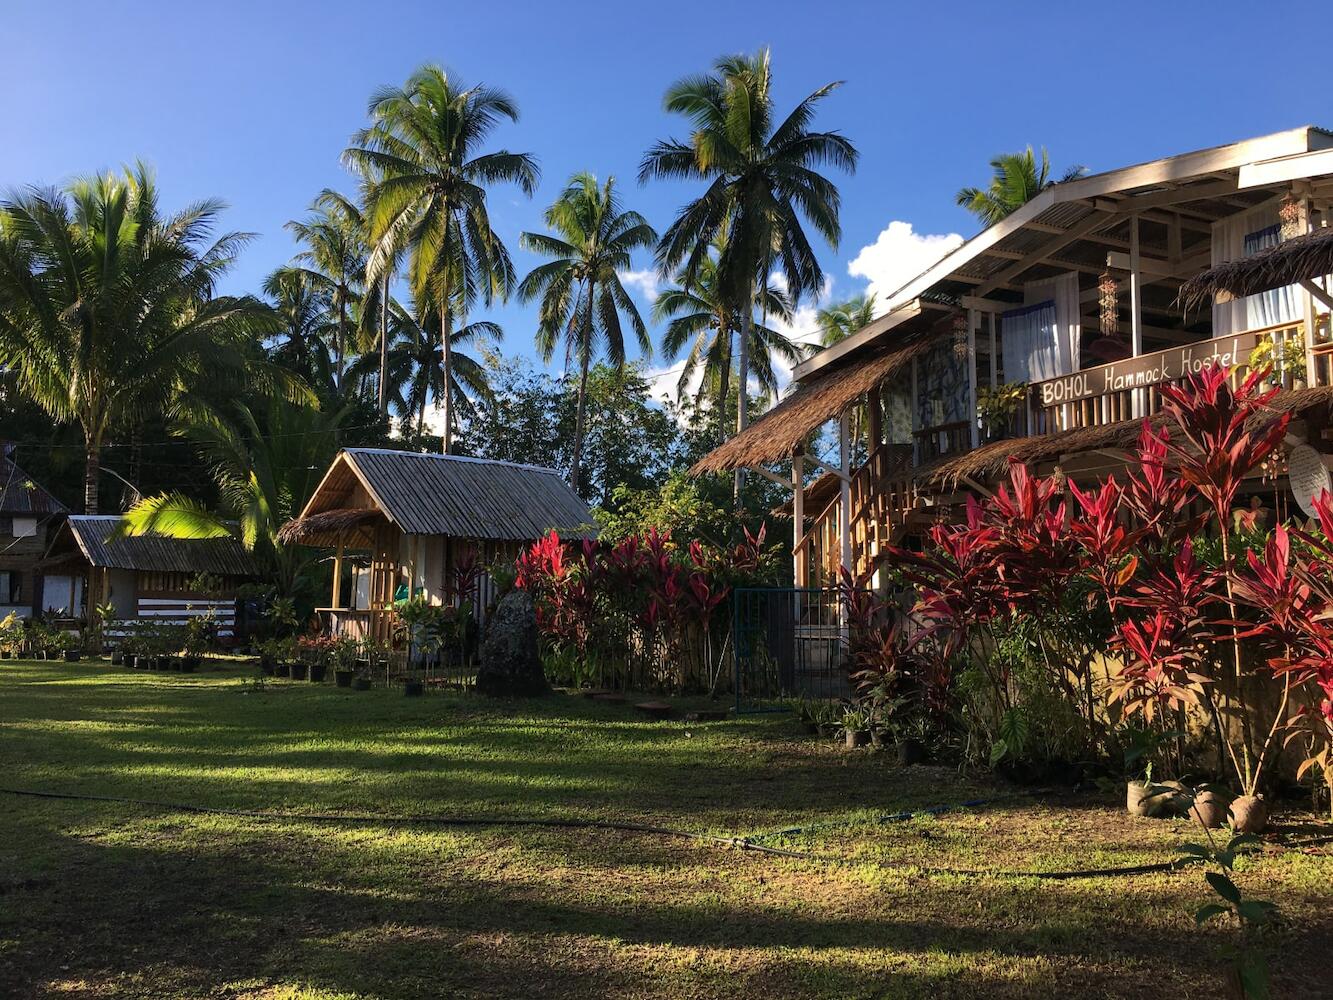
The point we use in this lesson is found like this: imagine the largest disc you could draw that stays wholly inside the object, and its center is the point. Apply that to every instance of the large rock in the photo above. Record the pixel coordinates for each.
(511, 663)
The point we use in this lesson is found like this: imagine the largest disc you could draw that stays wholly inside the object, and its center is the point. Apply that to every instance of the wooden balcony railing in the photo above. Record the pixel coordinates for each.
(946, 439)
(1124, 390)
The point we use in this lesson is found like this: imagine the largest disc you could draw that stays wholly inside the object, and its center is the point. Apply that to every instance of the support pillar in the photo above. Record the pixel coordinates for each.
(337, 576)
(973, 424)
(1138, 401)
(800, 570)
(845, 491)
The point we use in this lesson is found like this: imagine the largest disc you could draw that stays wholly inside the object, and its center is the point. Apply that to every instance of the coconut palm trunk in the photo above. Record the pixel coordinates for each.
(92, 467)
(742, 382)
(580, 415)
(383, 400)
(446, 377)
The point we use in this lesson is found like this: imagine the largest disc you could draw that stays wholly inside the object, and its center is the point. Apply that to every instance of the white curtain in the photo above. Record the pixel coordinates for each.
(1063, 289)
(1032, 348)
(1240, 236)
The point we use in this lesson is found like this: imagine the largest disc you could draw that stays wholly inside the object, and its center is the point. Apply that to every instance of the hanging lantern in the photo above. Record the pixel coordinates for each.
(960, 336)
(1289, 214)
(1107, 290)
(1274, 467)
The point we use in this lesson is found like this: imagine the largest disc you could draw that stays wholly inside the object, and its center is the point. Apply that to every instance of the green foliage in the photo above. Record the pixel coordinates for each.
(1018, 178)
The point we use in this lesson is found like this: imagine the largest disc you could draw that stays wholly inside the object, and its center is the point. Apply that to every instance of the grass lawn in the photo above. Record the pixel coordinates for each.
(105, 899)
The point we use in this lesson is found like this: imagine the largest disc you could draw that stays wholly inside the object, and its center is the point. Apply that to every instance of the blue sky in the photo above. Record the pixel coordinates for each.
(253, 102)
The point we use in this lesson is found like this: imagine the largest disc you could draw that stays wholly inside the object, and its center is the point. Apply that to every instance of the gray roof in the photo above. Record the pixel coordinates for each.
(156, 554)
(469, 497)
(20, 495)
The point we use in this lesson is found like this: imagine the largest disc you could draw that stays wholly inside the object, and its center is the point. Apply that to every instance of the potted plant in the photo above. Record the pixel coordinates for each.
(11, 635)
(856, 727)
(997, 408)
(1285, 359)
(345, 655)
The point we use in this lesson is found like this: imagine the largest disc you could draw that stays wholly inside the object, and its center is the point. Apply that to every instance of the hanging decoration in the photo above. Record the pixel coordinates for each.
(960, 336)
(1275, 466)
(1107, 296)
(1289, 215)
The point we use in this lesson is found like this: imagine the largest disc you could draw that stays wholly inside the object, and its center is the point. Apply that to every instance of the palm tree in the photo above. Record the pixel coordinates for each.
(307, 327)
(428, 196)
(702, 323)
(108, 309)
(762, 180)
(412, 368)
(266, 465)
(581, 295)
(334, 261)
(1016, 180)
(842, 319)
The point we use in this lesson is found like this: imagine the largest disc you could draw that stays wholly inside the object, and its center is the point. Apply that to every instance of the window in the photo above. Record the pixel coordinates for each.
(11, 587)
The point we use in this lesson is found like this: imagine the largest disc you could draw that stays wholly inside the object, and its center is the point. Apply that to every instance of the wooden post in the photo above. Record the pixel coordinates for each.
(972, 378)
(994, 359)
(337, 575)
(1135, 309)
(412, 569)
(916, 455)
(874, 420)
(845, 490)
(1311, 370)
(800, 573)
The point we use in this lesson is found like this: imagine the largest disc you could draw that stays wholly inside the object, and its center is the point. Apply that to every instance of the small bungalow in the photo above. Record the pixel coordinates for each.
(145, 578)
(404, 524)
(28, 516)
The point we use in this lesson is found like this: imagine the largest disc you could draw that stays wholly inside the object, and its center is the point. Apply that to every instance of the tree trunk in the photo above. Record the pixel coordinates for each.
(579, 411)
(92, 464)
(742, 383)
(384, 346)
(342, 341)
(446, 384)
(724, 388)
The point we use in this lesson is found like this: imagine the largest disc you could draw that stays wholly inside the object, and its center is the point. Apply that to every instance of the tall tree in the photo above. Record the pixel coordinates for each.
(308, 328)
(108, 309)
(428, 196)
(702, 322)
(761, 180)
(1016, 179)
(267, 461)
(412, 368)
(581, 294)
(334, 262)
(840, 320)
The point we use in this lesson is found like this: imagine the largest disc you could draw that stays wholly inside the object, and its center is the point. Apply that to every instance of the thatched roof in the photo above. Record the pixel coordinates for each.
(991, 461)
(1301, 258)
(326, 527)
(773, 436)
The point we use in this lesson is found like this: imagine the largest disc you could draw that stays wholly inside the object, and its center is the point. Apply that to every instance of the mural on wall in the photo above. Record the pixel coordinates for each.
(897, 408)
(941, 387)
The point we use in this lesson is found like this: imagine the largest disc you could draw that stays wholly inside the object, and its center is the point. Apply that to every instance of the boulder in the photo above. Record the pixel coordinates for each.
(511, 663)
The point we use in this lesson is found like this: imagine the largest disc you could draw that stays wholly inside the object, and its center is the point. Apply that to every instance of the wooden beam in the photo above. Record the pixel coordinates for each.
(1067, 237)
(771, 477)
(817, 461)
(1317, 292)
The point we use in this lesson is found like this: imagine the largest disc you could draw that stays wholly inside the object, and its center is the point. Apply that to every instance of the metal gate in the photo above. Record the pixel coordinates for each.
(789, 643)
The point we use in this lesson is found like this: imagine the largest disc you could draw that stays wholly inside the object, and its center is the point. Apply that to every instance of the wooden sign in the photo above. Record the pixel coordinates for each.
(1145, 370)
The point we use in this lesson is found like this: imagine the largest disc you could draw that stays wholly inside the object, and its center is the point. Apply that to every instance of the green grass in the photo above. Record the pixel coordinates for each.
(103, 899)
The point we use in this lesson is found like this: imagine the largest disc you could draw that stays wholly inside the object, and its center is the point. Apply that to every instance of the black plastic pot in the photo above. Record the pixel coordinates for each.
(911, 752)
(414, 689)
(117, 658)
(282, 669)
(174, 663)
(299, 671)
(189, 664)
(343, 678)
(857, 738)
(361, 684)
(266, 665)
(73, 656)
(318, 671)
(4, 654)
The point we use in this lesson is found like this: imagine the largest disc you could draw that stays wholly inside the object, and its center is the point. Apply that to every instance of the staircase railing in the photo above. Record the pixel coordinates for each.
(882, 496)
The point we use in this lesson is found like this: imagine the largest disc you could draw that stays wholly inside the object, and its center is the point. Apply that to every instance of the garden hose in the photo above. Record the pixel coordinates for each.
(741, 843)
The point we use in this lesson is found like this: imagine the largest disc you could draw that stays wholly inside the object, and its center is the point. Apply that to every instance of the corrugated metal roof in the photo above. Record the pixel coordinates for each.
(156, 554)
(20, 495)
(469, 497)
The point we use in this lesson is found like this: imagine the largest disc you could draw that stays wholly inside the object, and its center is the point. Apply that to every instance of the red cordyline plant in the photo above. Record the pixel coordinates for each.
(589, 593)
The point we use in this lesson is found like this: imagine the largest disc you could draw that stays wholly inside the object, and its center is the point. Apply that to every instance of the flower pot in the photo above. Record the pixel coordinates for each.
(413, 689)
(857, 738)
(911, 752)
(266, 665)
(318, 671)
(117, 658)
(298, 671)
(1143, 800)
(343, 678)
(1209, 809)
(72, 656)
(281, 669)
(4, 654)
(361, 684)
(174, 663)
(189, 664)
(1249, 813)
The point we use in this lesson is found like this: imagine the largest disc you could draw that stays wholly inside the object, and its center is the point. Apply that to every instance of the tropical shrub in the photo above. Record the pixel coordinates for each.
(645, 612)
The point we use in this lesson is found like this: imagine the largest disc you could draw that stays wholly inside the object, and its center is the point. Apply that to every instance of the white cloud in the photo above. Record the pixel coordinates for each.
(645, 282)
(897, 256)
